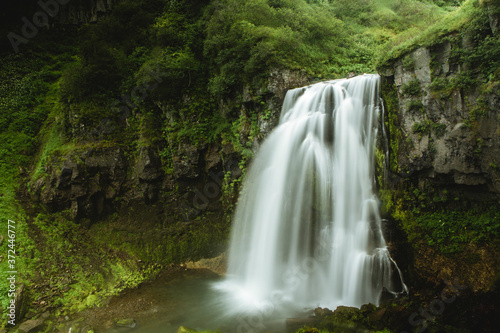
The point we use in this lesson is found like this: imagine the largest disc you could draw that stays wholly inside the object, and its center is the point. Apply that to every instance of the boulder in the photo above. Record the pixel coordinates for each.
(148, 164)
(127, 323)
(32, 325)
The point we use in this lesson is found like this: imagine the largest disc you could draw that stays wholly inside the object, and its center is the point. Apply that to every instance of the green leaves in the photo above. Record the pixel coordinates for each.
(451, 231)
(245, 40)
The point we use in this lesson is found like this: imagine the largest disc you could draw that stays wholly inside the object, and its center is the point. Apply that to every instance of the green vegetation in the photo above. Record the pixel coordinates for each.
(170, 73)
(162, 244)
(434, 217)
(432, 33)
(452, 231)
(25, 101)
(79, 269)
(347, 319)
(416, 106)
(441, 87)
(390, 97)
(411, 88)
(427, 127)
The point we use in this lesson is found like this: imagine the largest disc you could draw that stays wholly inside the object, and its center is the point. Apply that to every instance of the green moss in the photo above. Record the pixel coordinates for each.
(408, 62)
(82, 272)
(416, 106)
(452, 231)
(480, 109)
(164, 244)
(441, 87)
(26, 96)
(411, 88)
(427, 127)
(422, 128)
(391, 101)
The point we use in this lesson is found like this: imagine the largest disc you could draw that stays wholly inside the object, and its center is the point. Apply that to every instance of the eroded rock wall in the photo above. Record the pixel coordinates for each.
(100, 177)
(448, 132)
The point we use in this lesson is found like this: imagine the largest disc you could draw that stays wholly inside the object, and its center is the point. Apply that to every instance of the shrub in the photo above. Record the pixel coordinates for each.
(412, 88)
(416, 106)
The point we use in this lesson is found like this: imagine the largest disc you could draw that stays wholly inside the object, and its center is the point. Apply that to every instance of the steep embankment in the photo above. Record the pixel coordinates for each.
(443, 117)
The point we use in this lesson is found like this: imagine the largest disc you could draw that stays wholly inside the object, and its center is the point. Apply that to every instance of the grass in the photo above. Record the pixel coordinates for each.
(415, 38)
(451, 231)
(82, 272)
(22, 84)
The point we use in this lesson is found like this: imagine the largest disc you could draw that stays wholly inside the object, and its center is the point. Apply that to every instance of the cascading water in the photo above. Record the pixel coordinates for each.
(307, 229)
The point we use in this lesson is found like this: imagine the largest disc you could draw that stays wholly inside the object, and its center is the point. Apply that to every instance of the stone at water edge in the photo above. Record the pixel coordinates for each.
(128, 322)
(30, 325)
(81, 327)
(183, 329)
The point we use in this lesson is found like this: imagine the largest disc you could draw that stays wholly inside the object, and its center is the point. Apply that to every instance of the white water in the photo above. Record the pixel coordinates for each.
(307, 229)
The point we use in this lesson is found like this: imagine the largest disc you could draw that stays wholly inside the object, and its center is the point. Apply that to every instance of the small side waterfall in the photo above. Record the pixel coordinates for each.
(307, 228)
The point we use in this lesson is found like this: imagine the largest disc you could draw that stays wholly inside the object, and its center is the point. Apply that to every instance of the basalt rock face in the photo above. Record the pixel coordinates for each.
(100, 178)
(448, 136)
(443, 126)
(87, 181)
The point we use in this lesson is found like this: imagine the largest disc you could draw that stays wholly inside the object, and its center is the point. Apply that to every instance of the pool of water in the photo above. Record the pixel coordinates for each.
(189, 298)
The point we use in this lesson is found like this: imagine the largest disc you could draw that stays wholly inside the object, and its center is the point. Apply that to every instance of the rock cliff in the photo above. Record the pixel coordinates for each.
(98, 177)
(446, 126)
(443, 120)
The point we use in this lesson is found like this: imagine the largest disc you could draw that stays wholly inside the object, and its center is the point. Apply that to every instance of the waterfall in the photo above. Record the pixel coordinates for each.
(307, 229)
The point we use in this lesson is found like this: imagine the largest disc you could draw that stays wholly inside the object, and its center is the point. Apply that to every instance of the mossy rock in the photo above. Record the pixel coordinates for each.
(127, 322)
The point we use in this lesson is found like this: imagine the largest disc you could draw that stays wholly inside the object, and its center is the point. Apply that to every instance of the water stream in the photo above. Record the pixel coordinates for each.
(307, 229)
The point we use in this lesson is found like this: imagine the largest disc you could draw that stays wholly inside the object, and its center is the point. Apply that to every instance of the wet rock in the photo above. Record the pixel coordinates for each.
(493, 15)
(87, 329)
(294, 324)
(32, 325)
(149, 173)
(217, 265)
(127, 323)
(281, 80)
(80, 327)
(386, 295)
(45, 315)
(377, 315)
